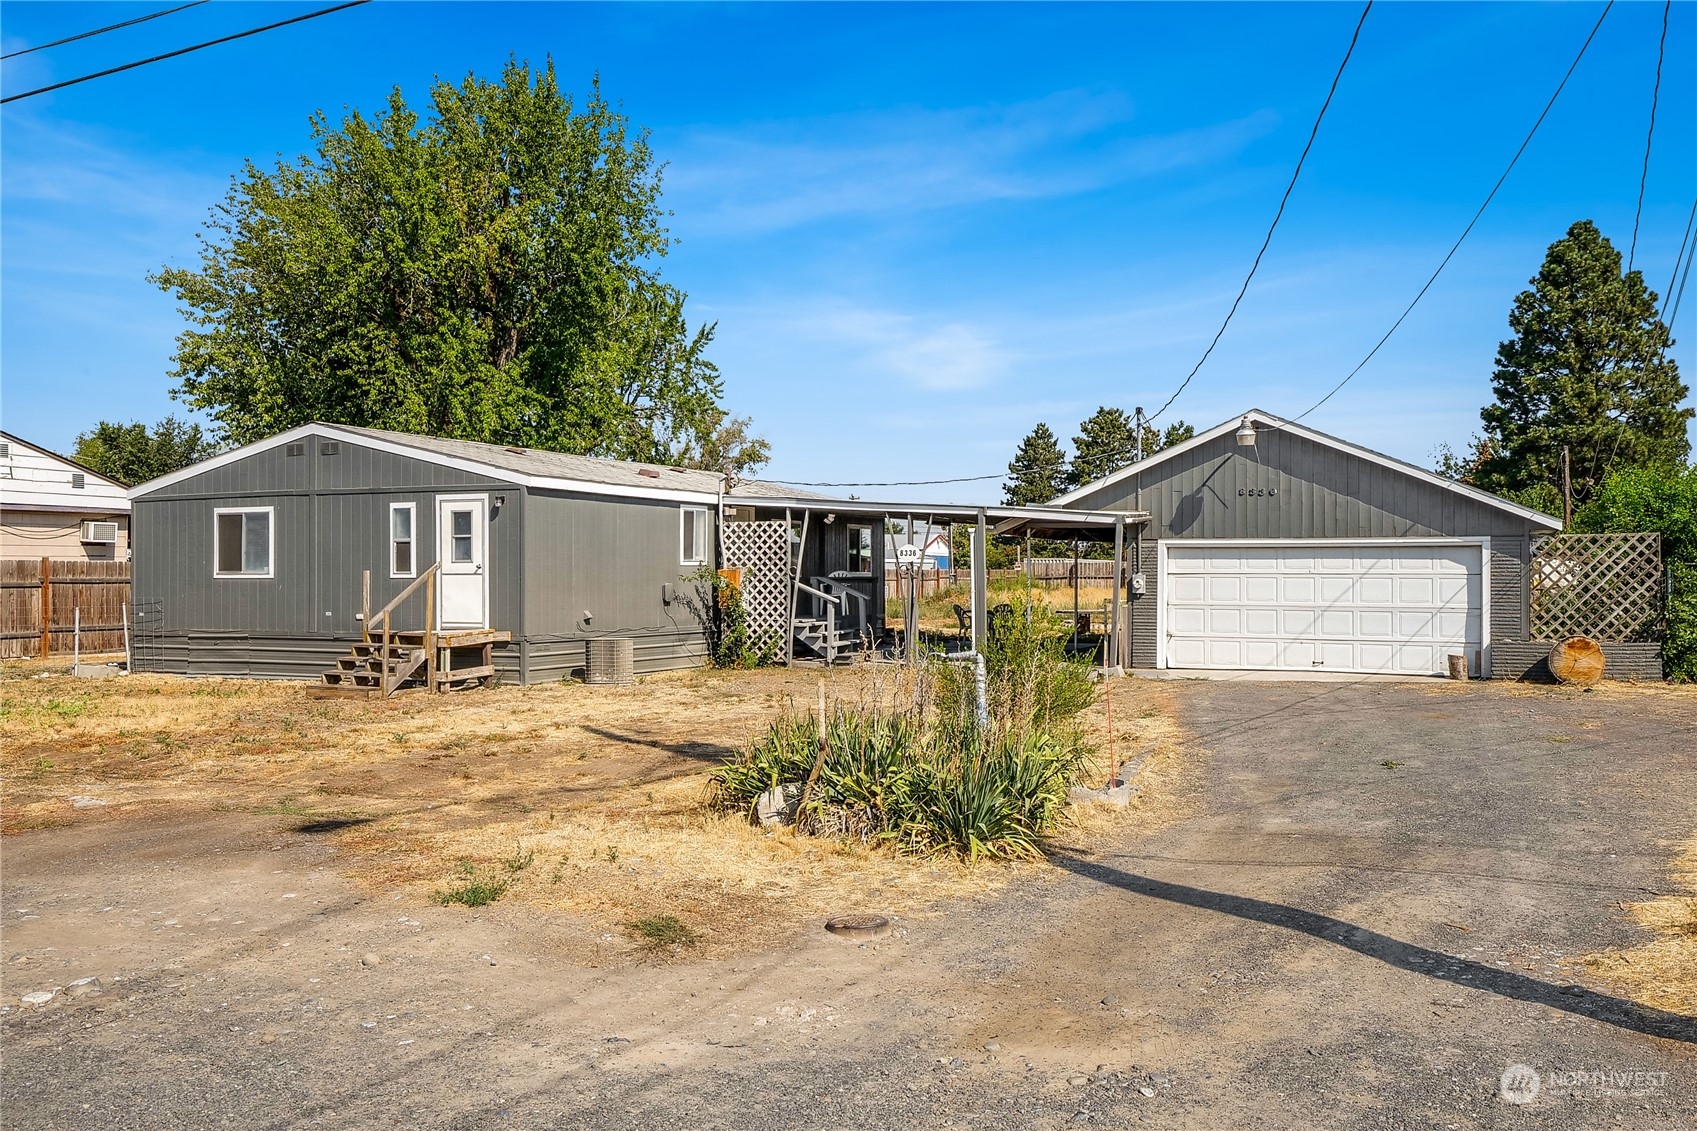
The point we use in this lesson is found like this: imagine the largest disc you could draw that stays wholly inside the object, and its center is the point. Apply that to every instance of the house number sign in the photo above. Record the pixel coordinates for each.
(1254, 491)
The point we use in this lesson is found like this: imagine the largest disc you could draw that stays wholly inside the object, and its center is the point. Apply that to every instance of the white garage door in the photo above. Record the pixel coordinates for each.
(1337, 607)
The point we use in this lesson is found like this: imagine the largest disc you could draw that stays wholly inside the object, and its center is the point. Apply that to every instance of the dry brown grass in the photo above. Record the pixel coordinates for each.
(605, 786)
(1662, 973)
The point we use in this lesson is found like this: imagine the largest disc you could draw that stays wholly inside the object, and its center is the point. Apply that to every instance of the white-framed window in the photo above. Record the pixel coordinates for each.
(402, 522)
(859, 549)
(693, 524)
(244, 540)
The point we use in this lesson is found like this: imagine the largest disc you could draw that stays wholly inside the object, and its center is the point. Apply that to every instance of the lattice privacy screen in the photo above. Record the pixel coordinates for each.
(762, 551)
(1605, 586)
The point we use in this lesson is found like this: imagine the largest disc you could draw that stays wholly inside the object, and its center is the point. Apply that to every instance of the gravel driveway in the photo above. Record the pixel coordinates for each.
(1372, 913)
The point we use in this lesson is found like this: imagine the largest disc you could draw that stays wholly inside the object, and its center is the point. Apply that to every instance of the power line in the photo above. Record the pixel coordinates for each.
(1685, 247)
(1690, 253)
(1655, 96)
(899, 482)
(1548, 106)
(104, 30)
(1253, 267)
(183, 51)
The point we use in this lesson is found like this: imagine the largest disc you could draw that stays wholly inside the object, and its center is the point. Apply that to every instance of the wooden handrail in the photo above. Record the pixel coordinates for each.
(383, 614)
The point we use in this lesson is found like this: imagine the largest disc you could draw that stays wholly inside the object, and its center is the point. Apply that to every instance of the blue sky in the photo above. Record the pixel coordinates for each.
(920, 228)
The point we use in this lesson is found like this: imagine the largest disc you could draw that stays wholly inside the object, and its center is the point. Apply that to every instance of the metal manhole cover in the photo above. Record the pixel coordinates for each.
(859, 926)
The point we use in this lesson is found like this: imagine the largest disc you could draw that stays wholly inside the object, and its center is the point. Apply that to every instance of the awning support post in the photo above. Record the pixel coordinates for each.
(980, 581)
(1115, 633)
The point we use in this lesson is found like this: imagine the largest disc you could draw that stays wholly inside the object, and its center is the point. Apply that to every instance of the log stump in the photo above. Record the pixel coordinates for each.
(1578, 660)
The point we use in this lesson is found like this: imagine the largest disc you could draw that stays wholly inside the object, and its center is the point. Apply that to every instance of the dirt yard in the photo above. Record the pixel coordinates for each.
(1347, 905)
(591, 800)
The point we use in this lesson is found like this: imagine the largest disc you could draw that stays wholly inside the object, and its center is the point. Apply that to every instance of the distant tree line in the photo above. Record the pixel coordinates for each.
(1107, 441)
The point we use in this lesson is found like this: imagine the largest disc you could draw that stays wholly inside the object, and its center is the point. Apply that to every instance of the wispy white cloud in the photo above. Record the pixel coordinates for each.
(782, 174)
(902, 350)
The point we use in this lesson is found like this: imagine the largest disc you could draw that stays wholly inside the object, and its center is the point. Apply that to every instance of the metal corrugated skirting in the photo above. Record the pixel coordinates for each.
(237, 654)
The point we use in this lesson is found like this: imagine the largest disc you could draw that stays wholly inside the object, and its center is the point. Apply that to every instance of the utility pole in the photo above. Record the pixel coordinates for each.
(1137, 435)
(1566, 489)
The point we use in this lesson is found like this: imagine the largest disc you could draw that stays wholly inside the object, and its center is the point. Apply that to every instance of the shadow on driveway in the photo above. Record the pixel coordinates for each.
(1435, 964)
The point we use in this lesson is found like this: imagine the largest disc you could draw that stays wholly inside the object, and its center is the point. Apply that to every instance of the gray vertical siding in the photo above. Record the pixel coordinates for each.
(610, 558)
(1289, 486)
(331, 523)
(1322, 492)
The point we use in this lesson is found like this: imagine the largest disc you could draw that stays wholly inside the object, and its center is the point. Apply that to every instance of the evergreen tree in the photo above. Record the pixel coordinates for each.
(1586, 370)
(1107, 442)
(1038, 472)
(1104, 444)
(1176, 433)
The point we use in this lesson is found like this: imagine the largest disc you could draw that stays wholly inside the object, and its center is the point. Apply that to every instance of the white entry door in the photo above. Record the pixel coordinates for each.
(462, 539)
(1400, 608)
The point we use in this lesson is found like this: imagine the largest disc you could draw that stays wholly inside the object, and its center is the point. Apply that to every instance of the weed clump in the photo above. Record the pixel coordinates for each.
(662, 932)
(472, 893)
(479, 887)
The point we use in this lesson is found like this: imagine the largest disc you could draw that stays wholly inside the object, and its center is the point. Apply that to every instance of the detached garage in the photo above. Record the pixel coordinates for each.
(1273, 547)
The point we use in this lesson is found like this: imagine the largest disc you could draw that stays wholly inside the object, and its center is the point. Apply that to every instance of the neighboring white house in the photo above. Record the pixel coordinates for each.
(934, 540)
(53, 507)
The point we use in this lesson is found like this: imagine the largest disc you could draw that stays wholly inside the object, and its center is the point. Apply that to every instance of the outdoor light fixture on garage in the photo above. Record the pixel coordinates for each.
(1246, 434)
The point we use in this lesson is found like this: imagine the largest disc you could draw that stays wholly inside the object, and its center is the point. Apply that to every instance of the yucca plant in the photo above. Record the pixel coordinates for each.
(929, 782)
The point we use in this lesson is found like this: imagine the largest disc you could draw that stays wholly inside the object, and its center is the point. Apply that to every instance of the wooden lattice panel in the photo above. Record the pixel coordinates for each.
(761, 550)
(1605, 586)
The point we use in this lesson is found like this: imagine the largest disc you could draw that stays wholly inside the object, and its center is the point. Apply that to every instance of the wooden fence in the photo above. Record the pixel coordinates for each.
(1046, 573)
(40, 600)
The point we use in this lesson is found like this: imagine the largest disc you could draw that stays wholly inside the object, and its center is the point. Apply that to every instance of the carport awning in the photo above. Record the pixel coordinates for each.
(1039, 522)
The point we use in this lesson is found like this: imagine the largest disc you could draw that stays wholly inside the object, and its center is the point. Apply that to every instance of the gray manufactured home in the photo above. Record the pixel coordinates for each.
(254, 562)
(1276, 547)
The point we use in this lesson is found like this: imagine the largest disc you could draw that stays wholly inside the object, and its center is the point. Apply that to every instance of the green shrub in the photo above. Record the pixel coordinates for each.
(1032, 684)
(718, 605)
(1664, 501)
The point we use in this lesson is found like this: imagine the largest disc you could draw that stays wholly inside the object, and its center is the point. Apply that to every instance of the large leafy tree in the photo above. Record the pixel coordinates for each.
(1038, 472)
(1587, 370)
(134, 453)
(484, 270)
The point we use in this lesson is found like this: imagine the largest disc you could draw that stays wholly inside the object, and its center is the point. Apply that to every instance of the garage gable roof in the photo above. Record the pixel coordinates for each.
(1271, 422)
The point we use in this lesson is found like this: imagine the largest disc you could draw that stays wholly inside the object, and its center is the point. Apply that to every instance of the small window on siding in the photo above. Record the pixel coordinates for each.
(294, 449)
(460, 536)
(242, 542)
(330, 448)
(860, 549)
(694, 550)
(401, 517)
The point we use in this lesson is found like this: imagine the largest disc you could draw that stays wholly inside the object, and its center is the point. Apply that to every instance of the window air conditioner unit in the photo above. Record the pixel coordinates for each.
(105, 533)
